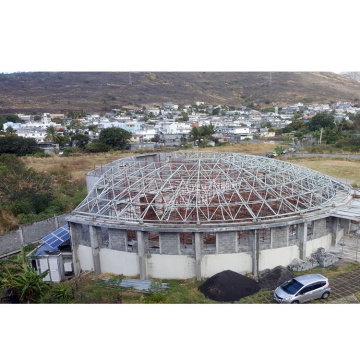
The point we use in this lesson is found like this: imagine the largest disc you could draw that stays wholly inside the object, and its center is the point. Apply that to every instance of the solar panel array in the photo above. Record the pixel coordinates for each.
(57, 237)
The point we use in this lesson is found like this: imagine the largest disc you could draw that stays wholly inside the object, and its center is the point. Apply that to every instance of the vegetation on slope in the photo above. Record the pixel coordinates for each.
(102, 91)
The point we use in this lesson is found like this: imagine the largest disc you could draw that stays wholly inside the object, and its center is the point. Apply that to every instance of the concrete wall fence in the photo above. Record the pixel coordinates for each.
(12, 241)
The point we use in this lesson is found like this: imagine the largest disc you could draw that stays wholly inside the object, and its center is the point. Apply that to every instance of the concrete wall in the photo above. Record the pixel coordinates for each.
(12, 241)
(169, 243)
(319, 228)
(119, 262)
(84, 254)
(170, 266)
(270, 258)
(313, 245)
(279, 237)
(227, 242)
(212, 264)
(117, 239)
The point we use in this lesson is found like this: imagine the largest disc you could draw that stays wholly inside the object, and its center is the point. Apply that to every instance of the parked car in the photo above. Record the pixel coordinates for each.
(302, 289)
(269, 155)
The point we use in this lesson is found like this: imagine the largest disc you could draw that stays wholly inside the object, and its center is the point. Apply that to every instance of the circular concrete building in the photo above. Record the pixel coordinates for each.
(192, 214)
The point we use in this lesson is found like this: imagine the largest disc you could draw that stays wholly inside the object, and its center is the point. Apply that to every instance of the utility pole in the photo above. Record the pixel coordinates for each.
(321, 131)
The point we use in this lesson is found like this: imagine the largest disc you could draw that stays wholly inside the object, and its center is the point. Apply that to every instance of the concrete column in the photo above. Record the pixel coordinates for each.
(345, 224)
(94, 241)
(198, 255)
(74, 240)
(21, 236)
(302, 236)
(254, 241)
(140, 237)
(334, 230)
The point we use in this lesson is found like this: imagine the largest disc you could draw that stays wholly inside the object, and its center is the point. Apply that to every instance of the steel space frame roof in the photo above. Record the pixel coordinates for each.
(189, 187)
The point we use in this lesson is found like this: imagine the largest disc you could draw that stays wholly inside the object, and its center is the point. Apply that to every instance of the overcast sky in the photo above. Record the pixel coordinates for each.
(184, 36)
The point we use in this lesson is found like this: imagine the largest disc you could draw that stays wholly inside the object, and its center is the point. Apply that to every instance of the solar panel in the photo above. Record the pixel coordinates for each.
(57, 237)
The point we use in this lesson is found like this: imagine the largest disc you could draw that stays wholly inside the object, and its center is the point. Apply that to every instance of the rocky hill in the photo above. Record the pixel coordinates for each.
(101, 91)
(354, 75)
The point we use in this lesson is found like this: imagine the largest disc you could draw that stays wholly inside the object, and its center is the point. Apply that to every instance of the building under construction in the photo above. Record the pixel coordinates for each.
(192, 214)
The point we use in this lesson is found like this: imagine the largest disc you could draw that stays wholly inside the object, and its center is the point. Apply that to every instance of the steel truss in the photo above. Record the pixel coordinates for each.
(208, 188)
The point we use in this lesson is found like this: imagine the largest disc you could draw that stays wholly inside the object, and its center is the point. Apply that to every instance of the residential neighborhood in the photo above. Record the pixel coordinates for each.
(170, 124)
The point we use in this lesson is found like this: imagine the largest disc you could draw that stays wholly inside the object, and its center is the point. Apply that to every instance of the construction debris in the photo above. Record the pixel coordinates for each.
(271, 279)
(136, 284)
(318, 258)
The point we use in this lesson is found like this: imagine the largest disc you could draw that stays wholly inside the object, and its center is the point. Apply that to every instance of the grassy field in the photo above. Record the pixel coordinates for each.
(78, 166)
(345, 169)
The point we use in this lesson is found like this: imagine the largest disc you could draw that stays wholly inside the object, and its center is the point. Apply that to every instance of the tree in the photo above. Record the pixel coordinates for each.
(202, 134)
(96, 147)
(8, 118)
(80, 140)
(13, 144)
(279, 150)
(115, 138)
(265, 124)
(93, 128)
(194, 134)
(10, 130)
(184, 116)
(76, 125)
(51, 134)
(321, 120)
(206, 131)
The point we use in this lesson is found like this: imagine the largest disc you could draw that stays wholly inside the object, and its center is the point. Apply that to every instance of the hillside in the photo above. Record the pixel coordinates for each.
(101, 91)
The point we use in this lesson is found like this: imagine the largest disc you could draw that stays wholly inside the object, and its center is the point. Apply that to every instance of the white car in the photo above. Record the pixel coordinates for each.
(302, 289)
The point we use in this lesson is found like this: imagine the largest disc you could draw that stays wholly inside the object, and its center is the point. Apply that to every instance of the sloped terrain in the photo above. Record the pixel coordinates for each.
(101, 91)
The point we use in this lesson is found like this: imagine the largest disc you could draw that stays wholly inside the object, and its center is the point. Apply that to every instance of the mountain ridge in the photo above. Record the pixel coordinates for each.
(101, 91)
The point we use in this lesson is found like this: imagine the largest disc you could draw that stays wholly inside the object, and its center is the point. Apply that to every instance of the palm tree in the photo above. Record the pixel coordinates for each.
(51, 134)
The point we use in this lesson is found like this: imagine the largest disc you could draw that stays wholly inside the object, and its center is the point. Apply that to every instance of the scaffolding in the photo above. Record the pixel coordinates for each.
(190, 187)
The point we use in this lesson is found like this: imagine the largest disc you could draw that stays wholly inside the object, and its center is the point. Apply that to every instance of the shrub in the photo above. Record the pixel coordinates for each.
(156, 298)
(96, 147)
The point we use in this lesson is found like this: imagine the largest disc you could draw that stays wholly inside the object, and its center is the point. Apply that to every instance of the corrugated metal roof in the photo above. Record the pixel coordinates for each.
(351, 210)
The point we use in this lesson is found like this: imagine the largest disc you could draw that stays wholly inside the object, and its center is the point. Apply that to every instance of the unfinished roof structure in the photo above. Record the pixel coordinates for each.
(192, 214)
(208, 188)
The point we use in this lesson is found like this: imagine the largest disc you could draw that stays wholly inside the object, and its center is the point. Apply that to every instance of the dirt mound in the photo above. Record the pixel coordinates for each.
(228, 286)
(271, 279)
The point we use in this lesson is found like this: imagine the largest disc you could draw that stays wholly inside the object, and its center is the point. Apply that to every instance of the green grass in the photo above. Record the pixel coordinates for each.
(183, 291)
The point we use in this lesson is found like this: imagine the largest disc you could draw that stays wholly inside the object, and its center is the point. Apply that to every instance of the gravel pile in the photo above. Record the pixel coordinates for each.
(271, 279)
(228, 286)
